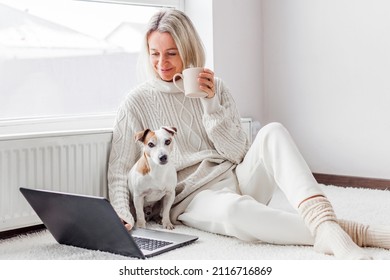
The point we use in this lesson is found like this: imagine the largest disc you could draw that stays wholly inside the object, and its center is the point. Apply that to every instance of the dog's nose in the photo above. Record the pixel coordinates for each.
(163, 159)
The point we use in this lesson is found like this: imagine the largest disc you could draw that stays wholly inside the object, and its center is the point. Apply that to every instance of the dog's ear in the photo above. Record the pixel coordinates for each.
(172, 130)
(140, 135)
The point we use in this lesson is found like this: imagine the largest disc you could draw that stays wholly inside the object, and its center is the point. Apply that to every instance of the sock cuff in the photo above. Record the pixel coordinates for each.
(315, 211)
(378, 236)
(357, 231)
(367, 235)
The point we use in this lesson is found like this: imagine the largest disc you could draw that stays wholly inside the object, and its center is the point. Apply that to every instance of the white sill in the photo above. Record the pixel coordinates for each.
(66, 126)
(42, 127)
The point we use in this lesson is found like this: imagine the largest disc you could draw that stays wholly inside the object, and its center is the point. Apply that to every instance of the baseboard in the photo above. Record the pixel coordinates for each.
(19, 231)
(350, 181)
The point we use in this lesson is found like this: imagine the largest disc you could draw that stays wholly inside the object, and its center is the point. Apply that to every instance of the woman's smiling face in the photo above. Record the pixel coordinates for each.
(164, 55)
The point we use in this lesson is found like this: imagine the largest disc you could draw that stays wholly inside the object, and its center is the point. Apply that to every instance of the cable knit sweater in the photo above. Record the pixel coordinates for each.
(209, 143)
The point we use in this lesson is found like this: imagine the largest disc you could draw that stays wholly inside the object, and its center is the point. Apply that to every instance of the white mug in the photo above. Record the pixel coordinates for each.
(190, 81)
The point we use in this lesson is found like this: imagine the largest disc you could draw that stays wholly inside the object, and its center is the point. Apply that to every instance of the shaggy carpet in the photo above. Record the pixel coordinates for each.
(362, 205)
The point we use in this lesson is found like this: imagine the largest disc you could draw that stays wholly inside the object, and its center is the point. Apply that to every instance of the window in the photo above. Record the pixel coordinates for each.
(62, 58)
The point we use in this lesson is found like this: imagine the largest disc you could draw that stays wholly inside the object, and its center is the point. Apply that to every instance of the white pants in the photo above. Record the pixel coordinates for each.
(238, 207)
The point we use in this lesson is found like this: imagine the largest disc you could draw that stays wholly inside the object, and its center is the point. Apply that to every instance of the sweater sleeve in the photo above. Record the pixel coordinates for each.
(122, 158)
(223, 124)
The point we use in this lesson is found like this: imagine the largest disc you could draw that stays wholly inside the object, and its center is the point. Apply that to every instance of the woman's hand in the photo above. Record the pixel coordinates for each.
(127, 226)
(206, 82)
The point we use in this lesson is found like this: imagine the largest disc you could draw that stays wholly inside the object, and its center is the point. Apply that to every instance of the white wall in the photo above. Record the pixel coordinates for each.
(237, 52)
(201, 14)
(326, 77)
(318, 66)
(232, 36)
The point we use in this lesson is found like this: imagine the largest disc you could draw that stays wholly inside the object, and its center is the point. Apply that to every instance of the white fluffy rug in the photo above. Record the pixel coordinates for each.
(362, 205)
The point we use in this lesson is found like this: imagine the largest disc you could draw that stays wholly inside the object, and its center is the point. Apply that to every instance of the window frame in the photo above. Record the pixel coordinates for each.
(41, 126)
(158, 3)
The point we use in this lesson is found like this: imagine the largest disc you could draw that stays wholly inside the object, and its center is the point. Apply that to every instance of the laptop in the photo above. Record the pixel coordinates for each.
(91, 222)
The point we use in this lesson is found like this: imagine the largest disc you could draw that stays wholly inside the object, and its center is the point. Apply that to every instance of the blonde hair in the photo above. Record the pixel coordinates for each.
(183, 32)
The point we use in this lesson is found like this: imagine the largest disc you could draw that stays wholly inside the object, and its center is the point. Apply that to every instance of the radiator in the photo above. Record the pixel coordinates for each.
(247, 125)
(75, 162)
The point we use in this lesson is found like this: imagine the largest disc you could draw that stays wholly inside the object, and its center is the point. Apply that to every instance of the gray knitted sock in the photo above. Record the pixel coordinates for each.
(329, 237)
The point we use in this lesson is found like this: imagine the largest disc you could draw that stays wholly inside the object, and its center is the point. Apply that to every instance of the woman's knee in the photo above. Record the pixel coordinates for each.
(272, 130)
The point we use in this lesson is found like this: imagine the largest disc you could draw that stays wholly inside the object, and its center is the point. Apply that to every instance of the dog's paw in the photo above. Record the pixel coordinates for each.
(168, 225)
(141, 224)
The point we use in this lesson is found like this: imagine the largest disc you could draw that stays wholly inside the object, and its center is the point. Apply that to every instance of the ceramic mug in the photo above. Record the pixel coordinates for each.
(190, 81)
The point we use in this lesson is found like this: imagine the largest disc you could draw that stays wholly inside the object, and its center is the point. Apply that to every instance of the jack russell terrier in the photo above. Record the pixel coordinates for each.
(153, 177)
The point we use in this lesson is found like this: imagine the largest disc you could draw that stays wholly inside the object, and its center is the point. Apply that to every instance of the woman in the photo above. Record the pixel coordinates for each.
(224, 184)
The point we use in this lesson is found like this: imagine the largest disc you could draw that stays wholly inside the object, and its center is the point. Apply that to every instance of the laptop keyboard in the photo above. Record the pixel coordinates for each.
(150, 244)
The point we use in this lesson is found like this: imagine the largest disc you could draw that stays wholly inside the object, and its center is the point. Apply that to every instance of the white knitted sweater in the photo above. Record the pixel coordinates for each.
(209, 143)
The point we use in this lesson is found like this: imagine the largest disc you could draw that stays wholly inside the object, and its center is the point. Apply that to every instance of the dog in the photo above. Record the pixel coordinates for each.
(153, 177)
